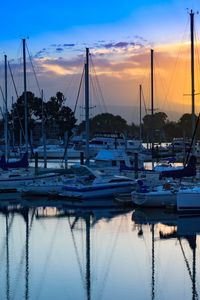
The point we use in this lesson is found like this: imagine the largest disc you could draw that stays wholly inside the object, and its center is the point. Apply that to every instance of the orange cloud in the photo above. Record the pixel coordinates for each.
(123, 68)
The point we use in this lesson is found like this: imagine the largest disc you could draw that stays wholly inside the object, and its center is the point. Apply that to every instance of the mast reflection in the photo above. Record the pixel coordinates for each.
(185, 227)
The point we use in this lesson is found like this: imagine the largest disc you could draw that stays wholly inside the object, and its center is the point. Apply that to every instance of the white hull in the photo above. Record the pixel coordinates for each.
(38, 190)
(51, 154)
(97, 191)
(13, 183)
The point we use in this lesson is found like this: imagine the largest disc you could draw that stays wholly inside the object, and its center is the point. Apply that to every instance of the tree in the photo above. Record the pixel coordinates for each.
(17, 119)
(185, 124)
(172, 130)
(154, 125)
(106, 122)
(56, 114)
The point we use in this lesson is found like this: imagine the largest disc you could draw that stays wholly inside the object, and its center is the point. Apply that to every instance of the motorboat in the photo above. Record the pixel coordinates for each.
(94, 185)
(116, 161)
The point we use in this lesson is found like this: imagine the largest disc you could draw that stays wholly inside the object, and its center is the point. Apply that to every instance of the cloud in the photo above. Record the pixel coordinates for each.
(117, 45)
(59, 49)
(41, 53)
(68, 45)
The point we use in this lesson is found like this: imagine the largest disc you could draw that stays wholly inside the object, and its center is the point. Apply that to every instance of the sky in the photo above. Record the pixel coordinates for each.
(119, 35)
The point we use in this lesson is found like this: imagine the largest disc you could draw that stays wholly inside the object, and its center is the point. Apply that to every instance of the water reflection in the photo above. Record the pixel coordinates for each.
(62, 250)
(20, 280)
(176, 226)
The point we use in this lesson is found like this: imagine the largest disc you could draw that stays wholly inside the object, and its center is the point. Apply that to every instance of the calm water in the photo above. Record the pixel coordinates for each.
(51, 251)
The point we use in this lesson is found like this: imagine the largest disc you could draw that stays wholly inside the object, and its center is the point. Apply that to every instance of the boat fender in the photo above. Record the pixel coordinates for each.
(167, 186)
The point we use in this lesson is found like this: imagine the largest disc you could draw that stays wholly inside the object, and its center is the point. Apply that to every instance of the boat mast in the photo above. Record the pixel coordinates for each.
(25, 96)
(140, 112)
(44, 131)
(152, 105)
(6, 109)
(87, 129)
(192, 70)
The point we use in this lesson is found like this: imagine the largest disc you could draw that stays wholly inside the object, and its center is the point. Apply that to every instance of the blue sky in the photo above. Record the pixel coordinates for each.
(81, 21)
(115, 31)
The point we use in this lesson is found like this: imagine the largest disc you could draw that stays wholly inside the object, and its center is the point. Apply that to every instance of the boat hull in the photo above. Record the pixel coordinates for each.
(188, 200)
(96, 191)
(154, 199)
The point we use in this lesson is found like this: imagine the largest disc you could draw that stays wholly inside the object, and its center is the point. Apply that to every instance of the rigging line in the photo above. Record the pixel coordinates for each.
(79, 90)
(110, 259)
(100, 90)
(67, 143)
(98, 84)
(19, 119)
(177, 60)
(48, 256)
(76, 251)
(192, 141)
(143, 98)
(71, 86)
(2, 94)
(197, 55)
(94, 87)
(4, 103)
(40, 91)
(161, 79)
(94, 90)
(11, 74)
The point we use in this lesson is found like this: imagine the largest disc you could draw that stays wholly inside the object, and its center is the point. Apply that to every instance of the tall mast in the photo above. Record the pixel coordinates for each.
(140, 112)
(152, 103)
(6, 109)
(44, 132)
(87, 129)
(25, 96)
(192, 69)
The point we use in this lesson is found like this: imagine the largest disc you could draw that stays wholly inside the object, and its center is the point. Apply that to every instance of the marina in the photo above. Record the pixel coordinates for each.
(99, 175)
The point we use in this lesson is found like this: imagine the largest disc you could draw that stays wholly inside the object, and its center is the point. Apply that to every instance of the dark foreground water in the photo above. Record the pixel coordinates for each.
(60, 252)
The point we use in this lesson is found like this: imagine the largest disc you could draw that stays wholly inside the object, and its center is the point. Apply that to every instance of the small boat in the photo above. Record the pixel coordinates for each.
(93, 185)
